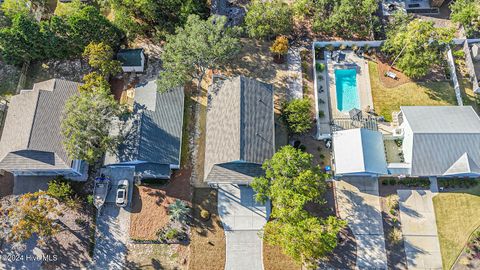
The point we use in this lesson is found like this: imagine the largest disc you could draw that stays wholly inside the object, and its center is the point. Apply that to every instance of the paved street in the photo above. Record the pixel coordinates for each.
(242, 220)
(419, 229)
(359, 203)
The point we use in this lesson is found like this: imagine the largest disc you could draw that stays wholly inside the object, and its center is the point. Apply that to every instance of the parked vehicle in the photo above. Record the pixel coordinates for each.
(100, 191)
(122, 193)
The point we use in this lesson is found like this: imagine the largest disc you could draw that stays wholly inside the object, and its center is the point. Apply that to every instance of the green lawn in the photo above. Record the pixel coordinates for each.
(388, 100)
(457, 217)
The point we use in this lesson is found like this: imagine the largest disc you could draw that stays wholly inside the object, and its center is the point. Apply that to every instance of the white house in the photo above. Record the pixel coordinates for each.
(436, 141)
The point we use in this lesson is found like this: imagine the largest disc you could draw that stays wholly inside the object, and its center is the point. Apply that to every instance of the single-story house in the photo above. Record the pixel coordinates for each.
(133, 60)
(440, 141)
(31, 145)
(240, 132)
(153, 135)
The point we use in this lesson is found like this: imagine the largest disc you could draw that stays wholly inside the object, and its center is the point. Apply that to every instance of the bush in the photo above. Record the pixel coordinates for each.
(321, 114)
(392, 202)
(90, 199)
(302, 148)
(204, 214)
(392, 181)
(297, 115)
(171, 234)
(320, 67)
(395, 236)
(60, 189)
(280, 45)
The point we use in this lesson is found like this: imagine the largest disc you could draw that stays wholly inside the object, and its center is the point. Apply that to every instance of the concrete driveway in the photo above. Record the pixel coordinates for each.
(113, 224)
(358, 202)
(419, 229)
(242, 220)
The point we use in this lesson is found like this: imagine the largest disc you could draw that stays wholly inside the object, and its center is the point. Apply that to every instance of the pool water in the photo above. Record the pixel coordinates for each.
(346, 88)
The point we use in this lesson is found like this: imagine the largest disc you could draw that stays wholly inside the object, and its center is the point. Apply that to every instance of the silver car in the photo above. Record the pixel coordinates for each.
(122, 193)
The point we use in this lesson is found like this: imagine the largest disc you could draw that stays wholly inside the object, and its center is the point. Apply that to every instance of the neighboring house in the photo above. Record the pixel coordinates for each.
(441, 141)
(240, 132)
(133, 60)
(31, 146)
(153, 135)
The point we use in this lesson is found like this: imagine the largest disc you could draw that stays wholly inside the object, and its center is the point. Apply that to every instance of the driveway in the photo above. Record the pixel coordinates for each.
(419, 229)
(113, 224)
(242, 220)
(358, 202)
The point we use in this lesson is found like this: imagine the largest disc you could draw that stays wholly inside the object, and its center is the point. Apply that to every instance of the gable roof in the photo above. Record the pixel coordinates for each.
(446, 140)
(240, 123)
(155, 132)
(130, 57)
(33, 123)
(359, 151)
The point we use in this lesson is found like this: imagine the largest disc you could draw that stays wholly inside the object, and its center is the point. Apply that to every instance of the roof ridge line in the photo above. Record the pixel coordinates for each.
(35, 113)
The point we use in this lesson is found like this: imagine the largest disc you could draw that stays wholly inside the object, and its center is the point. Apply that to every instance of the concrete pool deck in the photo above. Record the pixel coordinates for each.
(363, 81)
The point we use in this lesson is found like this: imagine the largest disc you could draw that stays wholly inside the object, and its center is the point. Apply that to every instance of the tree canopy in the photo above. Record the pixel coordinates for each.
(198, 46)
(297, 114)
(417, 46)
(346, 18)
(57, 38)
(33, 213)
(267, 19)
(87, 122)
(290, 182)
(159, 17)
(467, 13)
(100, 57)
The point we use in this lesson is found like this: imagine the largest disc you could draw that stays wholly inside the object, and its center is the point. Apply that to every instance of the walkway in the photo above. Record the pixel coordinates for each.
(295, 83)
(242, 219)
(419, 229)
(359, 204)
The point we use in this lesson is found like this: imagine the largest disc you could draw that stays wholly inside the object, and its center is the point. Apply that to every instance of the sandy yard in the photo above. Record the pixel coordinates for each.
(149, 204)
(157, 256)
(207, 246)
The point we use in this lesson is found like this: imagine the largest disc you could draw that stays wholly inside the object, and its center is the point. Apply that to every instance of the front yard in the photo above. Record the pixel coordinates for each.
(457, 217)
(387, 100)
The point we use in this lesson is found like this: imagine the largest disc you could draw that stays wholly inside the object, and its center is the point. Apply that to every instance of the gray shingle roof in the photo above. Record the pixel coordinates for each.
(240, 123)
(130, 57)
(446, 139)
(234, 172)
(33, 123)
(155, 133)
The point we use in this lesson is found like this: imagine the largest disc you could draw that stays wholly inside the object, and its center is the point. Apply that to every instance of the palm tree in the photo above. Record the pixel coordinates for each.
(178, 210)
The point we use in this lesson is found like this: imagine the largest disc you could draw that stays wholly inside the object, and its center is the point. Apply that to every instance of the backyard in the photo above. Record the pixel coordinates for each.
(387, 100)
(457, 217)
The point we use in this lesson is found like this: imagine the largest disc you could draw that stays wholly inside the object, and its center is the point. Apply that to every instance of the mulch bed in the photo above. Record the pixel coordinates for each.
(150, 202)
(435, 75)
(396, 257)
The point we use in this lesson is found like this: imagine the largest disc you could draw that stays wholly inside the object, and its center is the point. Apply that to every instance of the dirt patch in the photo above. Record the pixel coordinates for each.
(207, 246)
(157, 256)
(275, 259)
(149, 204)
(383, 68)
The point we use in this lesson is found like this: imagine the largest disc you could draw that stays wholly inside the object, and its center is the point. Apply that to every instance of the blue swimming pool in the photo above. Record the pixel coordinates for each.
(346, 88)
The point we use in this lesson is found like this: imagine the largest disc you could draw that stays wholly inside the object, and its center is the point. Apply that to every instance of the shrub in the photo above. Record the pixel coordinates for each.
(204, 214)
(320, 67)
(392, 202)
(302, 147)
(297, 115)
(321, 114)
(90, 199)
(392, 181)
(171, 234)
(178, 210)
(395, 235)
(280, 45)
(59, 188)
(343, 47)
